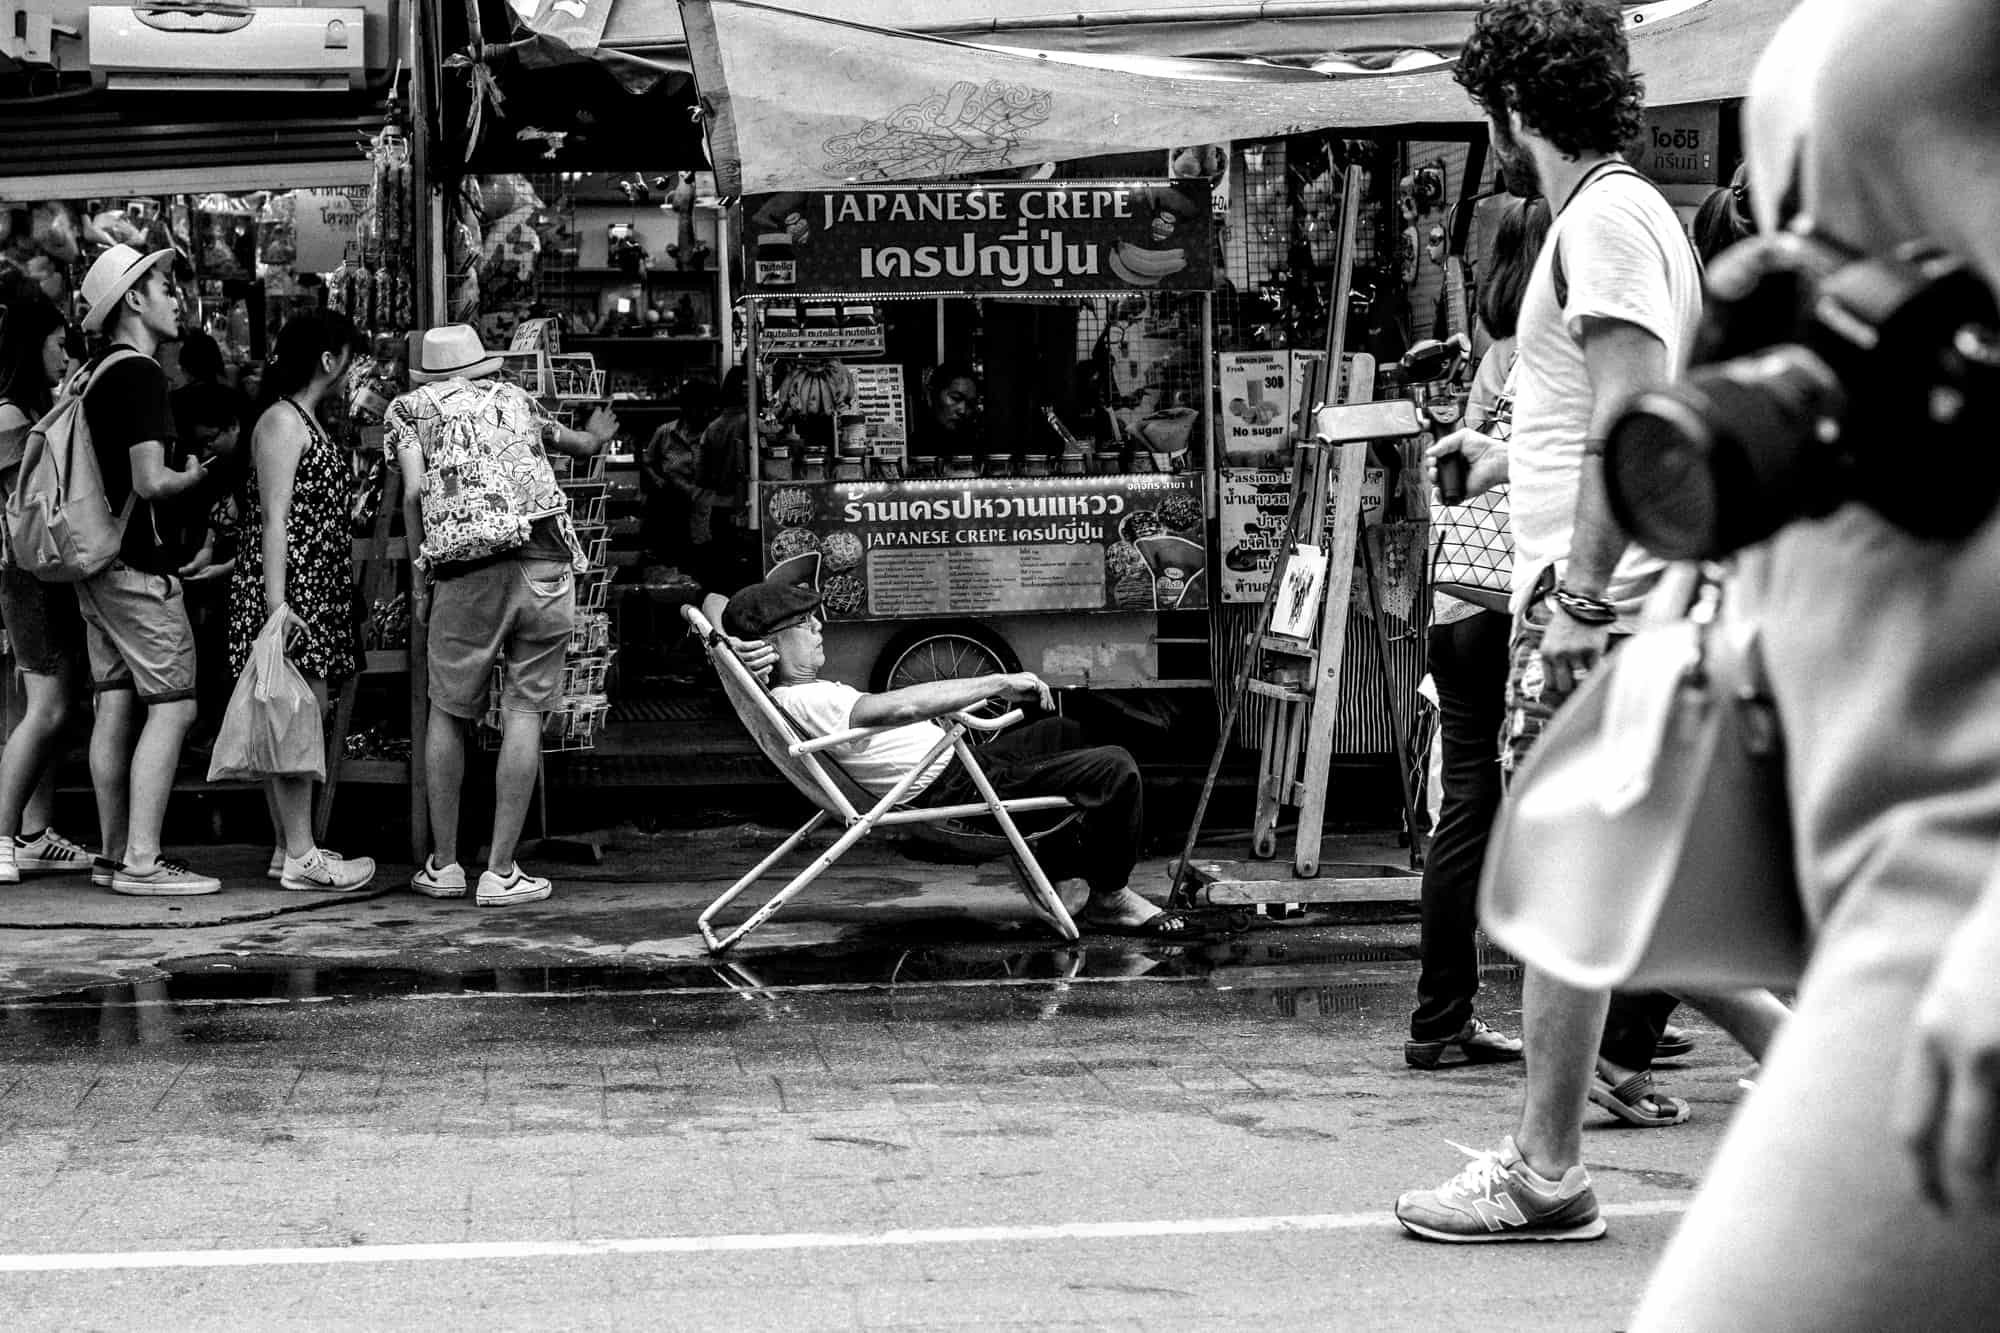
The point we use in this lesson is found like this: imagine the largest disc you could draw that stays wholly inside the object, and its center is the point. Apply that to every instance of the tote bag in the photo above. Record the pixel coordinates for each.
(1646, 843)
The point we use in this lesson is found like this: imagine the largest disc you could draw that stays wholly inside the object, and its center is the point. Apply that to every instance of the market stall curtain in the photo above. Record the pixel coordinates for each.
(883, 105)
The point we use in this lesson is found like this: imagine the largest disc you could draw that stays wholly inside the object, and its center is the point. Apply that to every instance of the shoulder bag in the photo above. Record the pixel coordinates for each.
(1646, 843)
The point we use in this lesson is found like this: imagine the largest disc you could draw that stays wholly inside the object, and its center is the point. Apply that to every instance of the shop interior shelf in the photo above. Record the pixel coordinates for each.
(636, 339)
(690, 277)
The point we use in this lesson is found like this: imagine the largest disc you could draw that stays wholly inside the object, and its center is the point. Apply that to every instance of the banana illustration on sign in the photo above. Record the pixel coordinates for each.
(1144, 268)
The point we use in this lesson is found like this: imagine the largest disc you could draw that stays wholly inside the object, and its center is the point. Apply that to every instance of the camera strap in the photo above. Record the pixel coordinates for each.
(1602, 171)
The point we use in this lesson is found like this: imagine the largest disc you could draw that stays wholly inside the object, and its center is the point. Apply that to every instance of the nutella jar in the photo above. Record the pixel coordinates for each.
(776, 263)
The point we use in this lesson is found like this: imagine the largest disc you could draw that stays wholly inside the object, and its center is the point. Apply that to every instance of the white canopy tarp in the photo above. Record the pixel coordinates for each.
(798, 102)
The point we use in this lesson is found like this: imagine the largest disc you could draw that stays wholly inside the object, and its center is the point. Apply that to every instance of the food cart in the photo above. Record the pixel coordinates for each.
(1069, 530)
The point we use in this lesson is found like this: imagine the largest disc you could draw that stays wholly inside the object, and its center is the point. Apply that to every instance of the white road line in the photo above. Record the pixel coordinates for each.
(802, 1240)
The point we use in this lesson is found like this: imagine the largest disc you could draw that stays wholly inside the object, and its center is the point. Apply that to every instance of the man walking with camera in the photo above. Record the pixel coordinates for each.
(1611, 305)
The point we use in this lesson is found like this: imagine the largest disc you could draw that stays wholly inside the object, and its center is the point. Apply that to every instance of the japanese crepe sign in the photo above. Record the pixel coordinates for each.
(1000, 238)
(894, 550)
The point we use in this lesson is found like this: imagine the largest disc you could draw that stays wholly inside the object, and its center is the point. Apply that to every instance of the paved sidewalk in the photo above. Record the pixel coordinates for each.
(637, 906)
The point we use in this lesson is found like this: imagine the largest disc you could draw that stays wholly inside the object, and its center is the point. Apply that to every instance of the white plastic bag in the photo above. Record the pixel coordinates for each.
(273, 725)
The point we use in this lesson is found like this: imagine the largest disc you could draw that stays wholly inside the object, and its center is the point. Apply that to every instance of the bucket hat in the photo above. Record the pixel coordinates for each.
(116, 272)
(452, 351)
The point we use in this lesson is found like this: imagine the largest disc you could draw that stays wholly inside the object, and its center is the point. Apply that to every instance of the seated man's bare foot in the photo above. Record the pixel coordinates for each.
(1122, 909)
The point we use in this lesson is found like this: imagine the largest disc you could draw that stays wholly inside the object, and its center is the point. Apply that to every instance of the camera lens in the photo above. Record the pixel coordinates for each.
(1699, 469)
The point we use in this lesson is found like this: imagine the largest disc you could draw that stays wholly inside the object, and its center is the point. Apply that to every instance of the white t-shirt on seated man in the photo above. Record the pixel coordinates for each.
(875, 762)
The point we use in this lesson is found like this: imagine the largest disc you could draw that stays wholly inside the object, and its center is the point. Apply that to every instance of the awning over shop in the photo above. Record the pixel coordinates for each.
(1293, 32)
(796, 101)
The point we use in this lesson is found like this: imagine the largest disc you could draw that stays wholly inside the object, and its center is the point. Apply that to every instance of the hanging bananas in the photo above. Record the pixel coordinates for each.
(1144, 268)
(816, 388)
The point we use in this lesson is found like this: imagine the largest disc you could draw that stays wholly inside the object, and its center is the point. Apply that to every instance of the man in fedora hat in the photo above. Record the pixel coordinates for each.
(516, 607)
(140, 643)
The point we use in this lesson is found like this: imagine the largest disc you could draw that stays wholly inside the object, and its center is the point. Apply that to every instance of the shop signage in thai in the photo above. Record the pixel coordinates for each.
(1678, 144)
(1255, 505)
(891, 550)
(323, 222)
(1048, 236)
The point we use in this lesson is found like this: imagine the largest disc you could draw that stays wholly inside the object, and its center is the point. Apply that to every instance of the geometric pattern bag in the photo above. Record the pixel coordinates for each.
(1472, 544)
(1472, 550)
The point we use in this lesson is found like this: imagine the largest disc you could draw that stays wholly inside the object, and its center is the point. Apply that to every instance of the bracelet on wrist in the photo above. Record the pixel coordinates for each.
(1585, 609)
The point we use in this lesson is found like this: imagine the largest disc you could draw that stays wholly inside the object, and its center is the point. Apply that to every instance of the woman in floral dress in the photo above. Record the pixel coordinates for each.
(296, 564)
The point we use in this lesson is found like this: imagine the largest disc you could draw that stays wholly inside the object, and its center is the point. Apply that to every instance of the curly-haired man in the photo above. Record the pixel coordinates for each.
(1611, 306)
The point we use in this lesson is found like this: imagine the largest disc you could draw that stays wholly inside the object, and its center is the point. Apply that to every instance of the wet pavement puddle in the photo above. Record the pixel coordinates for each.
(1285, 973)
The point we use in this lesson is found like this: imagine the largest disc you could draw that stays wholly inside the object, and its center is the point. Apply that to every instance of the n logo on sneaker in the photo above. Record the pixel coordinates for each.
(1497, 1214)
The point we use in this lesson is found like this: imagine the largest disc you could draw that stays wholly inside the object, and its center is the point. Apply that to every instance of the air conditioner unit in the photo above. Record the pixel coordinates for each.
(226, 49)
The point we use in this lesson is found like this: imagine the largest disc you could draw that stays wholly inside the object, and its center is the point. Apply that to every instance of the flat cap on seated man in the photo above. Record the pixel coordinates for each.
(1041, 758)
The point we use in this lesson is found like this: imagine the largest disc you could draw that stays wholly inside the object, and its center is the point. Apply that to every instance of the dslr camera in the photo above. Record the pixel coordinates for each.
(1819, 377)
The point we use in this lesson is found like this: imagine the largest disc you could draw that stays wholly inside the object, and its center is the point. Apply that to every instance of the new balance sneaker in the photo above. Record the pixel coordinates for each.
(9, 872)
(1497, 1197)
(1477, 1044)
(50, 854)
(322, 871)
(166, 879)
(102, 870)
(436, 881)
(276, 870)
(507, 890)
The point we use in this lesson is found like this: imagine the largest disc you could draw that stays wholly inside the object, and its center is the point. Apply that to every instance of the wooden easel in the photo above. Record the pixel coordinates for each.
(1299, 679)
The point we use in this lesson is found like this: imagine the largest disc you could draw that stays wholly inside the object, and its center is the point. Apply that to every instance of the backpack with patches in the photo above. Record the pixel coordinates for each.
(486, 480)
(60, 527)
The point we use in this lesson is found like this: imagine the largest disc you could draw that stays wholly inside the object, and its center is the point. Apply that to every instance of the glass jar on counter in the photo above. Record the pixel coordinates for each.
(1073, 464)
(812, 465)
(960, 465)
(777, 462)
(1038, 465)
(1107, 462)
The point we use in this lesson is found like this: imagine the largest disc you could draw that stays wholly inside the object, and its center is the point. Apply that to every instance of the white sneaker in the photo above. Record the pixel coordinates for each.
(50, 854)
(506, 890)
(276, 870)
(167, 879)
(436, 881)
(321, 871)
(10, 873)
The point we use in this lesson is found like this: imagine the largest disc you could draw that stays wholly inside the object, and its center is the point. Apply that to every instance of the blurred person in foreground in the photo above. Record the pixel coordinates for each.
(1860, 1185)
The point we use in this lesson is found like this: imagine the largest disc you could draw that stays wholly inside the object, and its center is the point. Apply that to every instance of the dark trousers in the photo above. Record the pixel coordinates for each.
(1049, 758)
(1468, 660)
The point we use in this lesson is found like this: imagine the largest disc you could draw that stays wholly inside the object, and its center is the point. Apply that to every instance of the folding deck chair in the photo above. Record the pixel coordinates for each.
(817, 775)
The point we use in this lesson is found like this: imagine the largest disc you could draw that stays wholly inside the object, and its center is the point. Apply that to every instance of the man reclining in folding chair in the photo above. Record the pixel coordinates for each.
(1043, 758)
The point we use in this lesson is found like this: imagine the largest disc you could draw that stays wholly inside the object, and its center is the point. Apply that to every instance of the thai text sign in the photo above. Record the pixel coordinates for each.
(890, 550)
(1002, 237)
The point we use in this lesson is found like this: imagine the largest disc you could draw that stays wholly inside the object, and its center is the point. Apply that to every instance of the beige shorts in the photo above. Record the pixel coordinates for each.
(516, 613)
(137, 634)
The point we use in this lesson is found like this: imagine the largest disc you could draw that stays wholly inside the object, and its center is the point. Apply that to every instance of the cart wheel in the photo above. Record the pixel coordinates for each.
(949, 650)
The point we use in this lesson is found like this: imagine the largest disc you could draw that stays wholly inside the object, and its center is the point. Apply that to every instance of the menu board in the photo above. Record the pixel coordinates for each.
(878, 396)
(1256, 405)
(1255, 504)
(894, 550)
